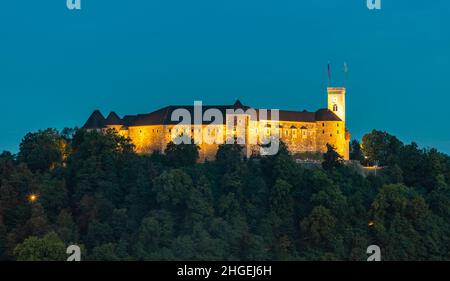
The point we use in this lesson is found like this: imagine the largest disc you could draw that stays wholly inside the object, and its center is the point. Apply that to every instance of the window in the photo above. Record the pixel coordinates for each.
(335, 107)
(337, 124)
(294, 133)
(338, 132)
(323, 124)
(323, 131)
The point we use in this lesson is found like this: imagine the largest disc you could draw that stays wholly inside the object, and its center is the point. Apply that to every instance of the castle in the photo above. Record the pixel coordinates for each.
(301, 131)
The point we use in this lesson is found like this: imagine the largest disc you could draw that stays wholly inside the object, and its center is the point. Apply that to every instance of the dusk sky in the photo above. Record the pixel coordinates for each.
(57, 66)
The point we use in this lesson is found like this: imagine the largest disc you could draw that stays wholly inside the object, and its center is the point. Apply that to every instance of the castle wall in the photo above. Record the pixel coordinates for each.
(299, 137)
(333, 133)
(146, 138)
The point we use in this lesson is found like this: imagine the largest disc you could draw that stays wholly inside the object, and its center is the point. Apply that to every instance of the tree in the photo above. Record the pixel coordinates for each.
(284, 166)
(38, 224)
(48, 248)
(155, 237)
(331, 159)
(105, 252)
(281, 201)
(42, 150)
(400, 221)
(355, 151)
(98, 233)
(380, 146)
(280, 221)
(318, 229)
(180, 155)
(53, 196)
(200, 204)
(394, 173)
(172, 189)
(7, 164)
(66, 228)
(119, 223)
(229, 156)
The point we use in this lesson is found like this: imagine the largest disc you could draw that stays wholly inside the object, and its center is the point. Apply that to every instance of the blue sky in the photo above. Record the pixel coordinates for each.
(57, 66)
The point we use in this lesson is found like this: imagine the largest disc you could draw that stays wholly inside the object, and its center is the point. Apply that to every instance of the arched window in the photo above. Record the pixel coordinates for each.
(335, 107)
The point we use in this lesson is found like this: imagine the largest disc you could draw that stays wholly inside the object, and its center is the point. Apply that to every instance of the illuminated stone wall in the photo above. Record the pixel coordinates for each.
(298, 136)
(146, 138)
(331, 132)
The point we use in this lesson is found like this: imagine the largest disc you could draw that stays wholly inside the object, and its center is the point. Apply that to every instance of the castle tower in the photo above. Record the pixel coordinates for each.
(336, 101)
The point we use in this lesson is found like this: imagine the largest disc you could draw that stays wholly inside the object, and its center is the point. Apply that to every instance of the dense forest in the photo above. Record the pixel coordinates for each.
(92, 190)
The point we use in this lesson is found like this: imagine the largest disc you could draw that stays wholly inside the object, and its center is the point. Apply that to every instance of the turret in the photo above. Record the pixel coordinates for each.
(113, 121)
(95, 122)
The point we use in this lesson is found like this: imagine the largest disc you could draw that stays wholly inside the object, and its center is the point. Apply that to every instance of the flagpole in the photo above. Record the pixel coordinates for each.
(345, 73)
(329, 75)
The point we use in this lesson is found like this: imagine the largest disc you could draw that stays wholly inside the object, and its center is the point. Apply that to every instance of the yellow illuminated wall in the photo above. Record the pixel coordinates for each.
(298, 136)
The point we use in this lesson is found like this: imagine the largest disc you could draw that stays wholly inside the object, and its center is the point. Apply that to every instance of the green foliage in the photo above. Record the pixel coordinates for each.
(380, 147)
(356, 151)
(229, 156)
(42, 150)
(48, 248)
(172, 188)
(331, 159)
(93, 190)
(105, 252)
(319, 227)
(181, 155)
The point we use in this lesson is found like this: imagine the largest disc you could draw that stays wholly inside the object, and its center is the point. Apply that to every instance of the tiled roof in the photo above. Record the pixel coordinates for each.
(95, 121)
(113, 119)
(163, 116)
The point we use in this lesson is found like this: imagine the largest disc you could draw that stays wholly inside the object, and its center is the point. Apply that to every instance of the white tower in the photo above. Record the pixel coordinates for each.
(336, 101)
